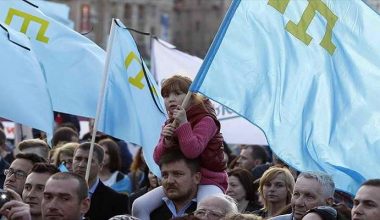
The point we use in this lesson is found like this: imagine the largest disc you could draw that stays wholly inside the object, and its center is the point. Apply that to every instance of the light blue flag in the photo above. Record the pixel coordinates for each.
(24, 96)
(60, 12)
(133, 108)
(308, 74)
(72, 63)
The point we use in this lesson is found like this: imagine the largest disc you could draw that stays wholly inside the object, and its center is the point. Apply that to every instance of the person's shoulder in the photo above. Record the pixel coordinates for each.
(101, 188)
(282, 217)
(253, 206)
(161, 212)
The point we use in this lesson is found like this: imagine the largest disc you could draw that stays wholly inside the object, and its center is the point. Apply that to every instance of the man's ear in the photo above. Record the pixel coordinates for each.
(85, 205)
(258, 162)
(197, 177)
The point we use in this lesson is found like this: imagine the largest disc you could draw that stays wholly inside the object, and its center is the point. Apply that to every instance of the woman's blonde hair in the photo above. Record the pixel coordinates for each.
(67, 149)
(272, 173)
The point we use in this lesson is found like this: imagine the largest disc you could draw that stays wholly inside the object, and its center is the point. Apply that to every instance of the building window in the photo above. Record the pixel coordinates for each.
(141, 11)
(197, 26)
(153, 30)
(85, 25)
(127, 11)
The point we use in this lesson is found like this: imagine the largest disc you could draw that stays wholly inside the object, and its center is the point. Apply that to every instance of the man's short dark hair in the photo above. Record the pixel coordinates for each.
(175, 155)
(372, 182)
(63, 135)
(98, 150)
(44, 168)
(82, 190)
(33, 158)
(259, 152)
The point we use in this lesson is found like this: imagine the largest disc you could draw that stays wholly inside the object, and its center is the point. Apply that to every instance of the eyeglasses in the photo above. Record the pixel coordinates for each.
(208, 213)
(67, 162)
(18, 173)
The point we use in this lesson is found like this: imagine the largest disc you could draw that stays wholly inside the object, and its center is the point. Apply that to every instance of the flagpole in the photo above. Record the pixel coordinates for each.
(101, 97)
(185, 104)
(186, 100)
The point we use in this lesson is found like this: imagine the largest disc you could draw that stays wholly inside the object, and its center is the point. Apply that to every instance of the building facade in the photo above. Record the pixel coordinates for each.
(375, 4)
(189, 24)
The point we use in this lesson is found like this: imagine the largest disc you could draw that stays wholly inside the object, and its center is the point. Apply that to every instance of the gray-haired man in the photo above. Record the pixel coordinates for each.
(312, 189)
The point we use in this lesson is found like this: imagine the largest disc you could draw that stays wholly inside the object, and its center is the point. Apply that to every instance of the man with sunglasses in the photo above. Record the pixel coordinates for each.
(19, 169)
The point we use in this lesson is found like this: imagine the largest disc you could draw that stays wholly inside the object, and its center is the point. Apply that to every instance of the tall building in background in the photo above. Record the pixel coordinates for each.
(94, 17)
(188, 24)
(195, 23)
(375, 4)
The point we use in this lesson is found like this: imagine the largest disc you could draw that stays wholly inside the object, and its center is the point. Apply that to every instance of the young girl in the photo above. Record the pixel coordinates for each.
(196, 131)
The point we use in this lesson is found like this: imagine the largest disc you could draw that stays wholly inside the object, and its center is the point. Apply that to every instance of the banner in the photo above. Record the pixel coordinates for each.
(60, 12)
(308, 74)
(24, 94)
(72, 63)
(133, 108)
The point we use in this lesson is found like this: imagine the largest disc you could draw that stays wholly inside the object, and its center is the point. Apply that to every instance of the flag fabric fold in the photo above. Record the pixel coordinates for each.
(60, 12)
(24, 94)
(308, 74)
(72, 63)
(133, 108)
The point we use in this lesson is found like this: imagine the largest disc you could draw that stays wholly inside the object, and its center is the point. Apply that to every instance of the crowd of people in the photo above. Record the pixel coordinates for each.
(200, 176)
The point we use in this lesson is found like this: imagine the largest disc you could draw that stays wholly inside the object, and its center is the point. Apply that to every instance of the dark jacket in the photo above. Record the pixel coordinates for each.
(106, 203)
(3, 165)
(252, 207)
(164, 213)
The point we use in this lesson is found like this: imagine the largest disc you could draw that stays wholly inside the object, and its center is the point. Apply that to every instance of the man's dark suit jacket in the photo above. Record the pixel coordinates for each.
(106, 203)
(3, 165)
(164, 213)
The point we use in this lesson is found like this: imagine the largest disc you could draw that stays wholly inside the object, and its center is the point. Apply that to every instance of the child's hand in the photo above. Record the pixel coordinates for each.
(168, 132)
(179, 115)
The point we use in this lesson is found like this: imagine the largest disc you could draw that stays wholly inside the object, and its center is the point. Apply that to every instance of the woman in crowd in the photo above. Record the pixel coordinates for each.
(229, 156)
(242, 189)
(63, 156)
(275, 188)
(110, 173)
(153, 183)
(139, 171)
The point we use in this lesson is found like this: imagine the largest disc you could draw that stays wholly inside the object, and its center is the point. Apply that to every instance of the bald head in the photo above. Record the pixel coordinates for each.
(217, 206)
